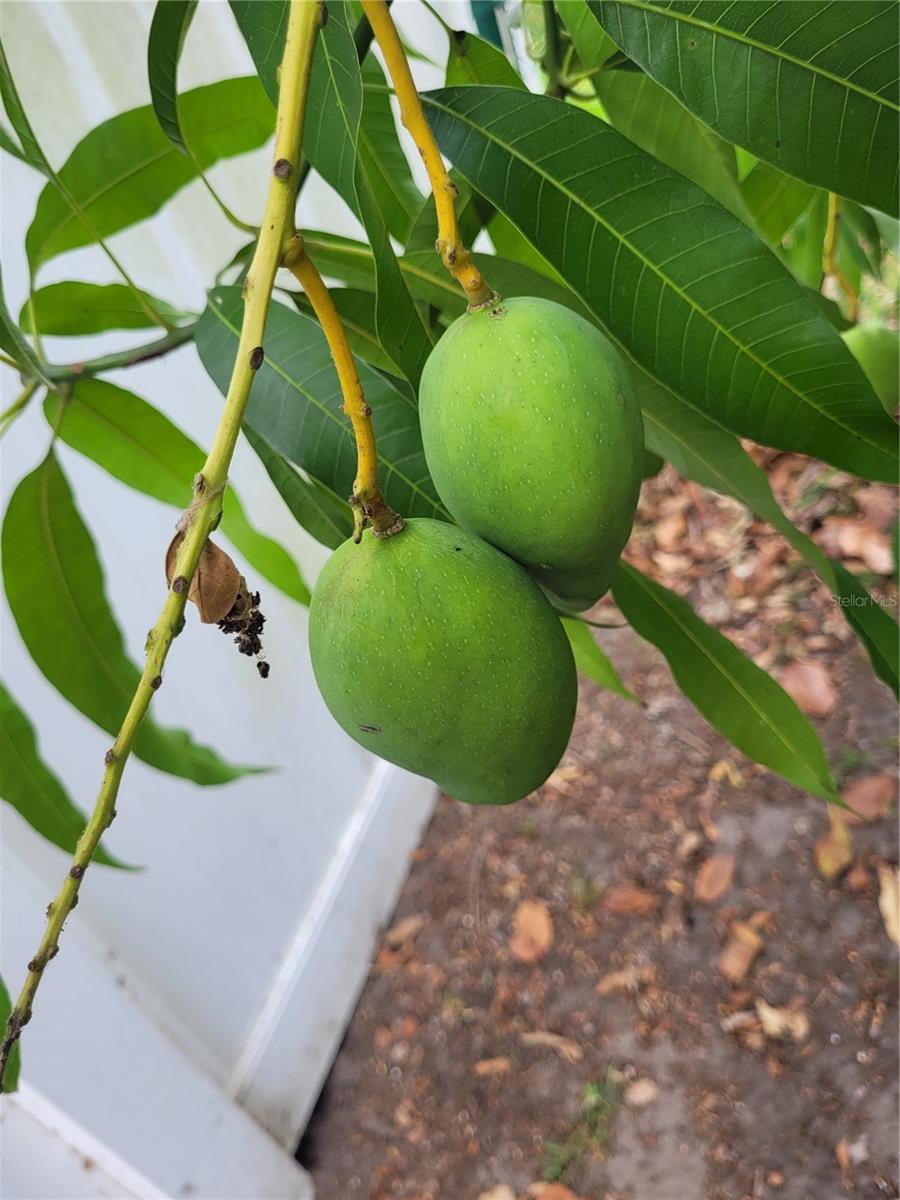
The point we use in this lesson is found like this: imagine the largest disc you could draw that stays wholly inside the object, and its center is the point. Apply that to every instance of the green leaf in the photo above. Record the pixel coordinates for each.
(10, 146)
(381, 157)
(30, 149)
(125, 169)
(323, 515)
(263, 24)
(683, 284)
(168, 29)
(69, 309)
(745, 704)
(135, 442)
(802, 247)
(15, 346)
(296, 403)
(473, 60)
(592, 45)
(653, 120)
(54, 585)
(591, 660)
(13, 1066)
(28, 784)
(705, 452)
(357, 312)
(774, 200)
(810, 88)
(334, 107)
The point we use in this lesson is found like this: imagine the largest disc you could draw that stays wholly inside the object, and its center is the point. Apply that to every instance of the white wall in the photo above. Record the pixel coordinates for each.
(246, 936)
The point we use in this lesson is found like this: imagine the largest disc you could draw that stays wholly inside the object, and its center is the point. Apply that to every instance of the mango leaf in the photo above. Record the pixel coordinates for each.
(54, 585)
(125, 169)
(357, 312)
(683, 284)
(8, 144)
(653, 120)
(263, 24)
(332, 130)
(15, 346)
(323, 515)
(28, 784)
(135, 442)
(295, 405)
(29, 147)
(591, 661)
(381, 157)
(801, 248)
(168, 29)
(705, 452)
(13, 1067)
(69, 309)
(810, 88)
(742, 702)
(473, 60)
(592, 45)
(774, 200)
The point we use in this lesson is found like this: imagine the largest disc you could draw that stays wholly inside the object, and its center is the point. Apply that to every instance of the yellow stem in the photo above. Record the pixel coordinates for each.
(277, 224)
(829, 257)
(367, 500)
(449, 245)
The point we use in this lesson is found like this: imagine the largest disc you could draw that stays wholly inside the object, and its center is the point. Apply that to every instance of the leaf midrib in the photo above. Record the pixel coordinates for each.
(637, 578)
(766, 48)
(648, 263)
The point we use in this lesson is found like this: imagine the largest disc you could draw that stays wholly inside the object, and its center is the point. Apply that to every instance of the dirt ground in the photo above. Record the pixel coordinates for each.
(645, 982)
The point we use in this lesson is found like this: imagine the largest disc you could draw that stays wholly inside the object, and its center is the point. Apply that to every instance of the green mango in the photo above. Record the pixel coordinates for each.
(438, 653)
(876, 349)
(534, 441)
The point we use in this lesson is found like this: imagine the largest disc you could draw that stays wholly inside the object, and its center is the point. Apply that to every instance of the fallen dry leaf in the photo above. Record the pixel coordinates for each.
(626, 900)
(889, 899)
(532, 931)
(629, 979)
(714, 878)
(809, 684)
(641, 1093)
(501, 1192)
(782, 1022)
(739, 952)
(689, 845)
(486, 1067)
(858, 877)
(725, 769)
(563, 1046)
(407, 928)
(833, 852)
(670, 531)
(551, 1191)
(736, 1021)
(871, 797)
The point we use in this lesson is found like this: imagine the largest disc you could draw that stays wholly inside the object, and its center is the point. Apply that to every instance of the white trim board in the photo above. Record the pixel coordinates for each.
(291, 1045)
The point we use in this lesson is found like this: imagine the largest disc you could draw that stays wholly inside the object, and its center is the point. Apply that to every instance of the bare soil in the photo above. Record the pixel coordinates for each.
(652, 1076)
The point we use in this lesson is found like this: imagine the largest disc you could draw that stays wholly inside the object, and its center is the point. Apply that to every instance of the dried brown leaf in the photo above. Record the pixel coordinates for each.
(563, 1046)
(532, 931)
(889, 899)
(629, 979)
(810, 685)
(551, 1191)
(782, 1022)
(833, 852)
(486, 1067)
(501, 1192)
(714, 878)
(216, 581)
(740, 951)
(626, 900)
(408, 927)
(641, 1093)
(871, 797)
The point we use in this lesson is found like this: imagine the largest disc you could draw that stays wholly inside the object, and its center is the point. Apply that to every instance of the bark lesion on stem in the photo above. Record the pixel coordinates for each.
(368, 504)
(449, 245)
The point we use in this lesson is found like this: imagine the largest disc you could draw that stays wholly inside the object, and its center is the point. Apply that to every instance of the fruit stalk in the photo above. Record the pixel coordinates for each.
(449, 244)
(204, 513)
(367, 500)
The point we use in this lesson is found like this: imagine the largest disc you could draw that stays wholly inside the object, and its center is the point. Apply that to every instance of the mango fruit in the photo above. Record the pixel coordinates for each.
(533, 438)
(877, 350)
(438, 653)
